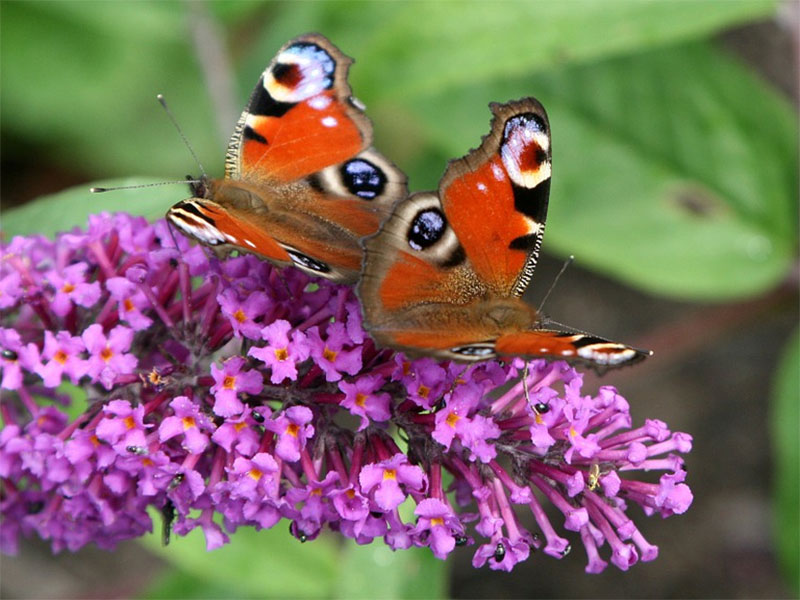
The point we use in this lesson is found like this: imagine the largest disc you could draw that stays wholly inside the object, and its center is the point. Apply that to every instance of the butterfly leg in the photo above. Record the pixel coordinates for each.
(525, 385)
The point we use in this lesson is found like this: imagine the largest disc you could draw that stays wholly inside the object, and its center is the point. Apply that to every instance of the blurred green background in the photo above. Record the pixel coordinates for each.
(675, 185)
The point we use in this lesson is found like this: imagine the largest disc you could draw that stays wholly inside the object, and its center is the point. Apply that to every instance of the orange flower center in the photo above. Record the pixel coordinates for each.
(292, 429)
(239, 426)
(329, 354)
(390, 474)
(361, 400)
(68, 288)
(60, 357)
(106, 353)
(255, 474)
(424, 390)
(130, 423)
(127, 304)
(229, 382)
(281, 353)
(240, 316)
(188, 422)
(452, 419)
(437, 521)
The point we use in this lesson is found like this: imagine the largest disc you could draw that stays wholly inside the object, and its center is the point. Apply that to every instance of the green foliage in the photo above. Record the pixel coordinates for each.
(681, 181)
(785, 420)
(273, 564)
(675, 169)
(47, 215)
(256, 564)
(375, 571)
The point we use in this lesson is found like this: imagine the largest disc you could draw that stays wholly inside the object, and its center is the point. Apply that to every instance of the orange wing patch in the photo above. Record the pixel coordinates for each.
(537, 343)
(247, 235)
(410, 281)
(480, 207)
(312, 135)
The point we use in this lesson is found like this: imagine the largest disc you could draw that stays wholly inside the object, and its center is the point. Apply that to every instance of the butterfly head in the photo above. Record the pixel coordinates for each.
(198, 186)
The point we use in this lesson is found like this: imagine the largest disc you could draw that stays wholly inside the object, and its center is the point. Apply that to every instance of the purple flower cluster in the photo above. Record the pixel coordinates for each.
(229, 393)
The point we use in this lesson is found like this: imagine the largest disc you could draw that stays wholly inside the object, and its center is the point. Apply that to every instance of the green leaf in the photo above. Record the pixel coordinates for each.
(49, 215)
(375, 571)
(434, 46)
(409, 48)
(785, 417)
(263, 564)
(681, 181)
(179, 585)
(79, 80)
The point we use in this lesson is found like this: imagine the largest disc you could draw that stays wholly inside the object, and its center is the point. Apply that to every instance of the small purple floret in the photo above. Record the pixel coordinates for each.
(235, 395)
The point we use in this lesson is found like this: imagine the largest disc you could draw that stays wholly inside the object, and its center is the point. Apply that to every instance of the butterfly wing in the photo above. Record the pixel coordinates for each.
(496, 197)
(445, 274)
(572, 346)
(302, 183)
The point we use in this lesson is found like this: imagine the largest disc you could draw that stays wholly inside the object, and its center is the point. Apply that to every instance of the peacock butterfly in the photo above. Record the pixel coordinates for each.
(302, 183)
(445, 274)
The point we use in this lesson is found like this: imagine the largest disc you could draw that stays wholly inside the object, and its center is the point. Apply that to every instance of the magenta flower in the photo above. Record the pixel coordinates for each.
(70, 287)
(63, 353)
(131, 301)
(108, 356)
(424, 380)
(382, 481)
(187, 422)
(438, 526)
(281, 354)
(243, 313)
(16, 358)
(240, 434)
(330, 353)
(10, 289)
(361, 400)
(123, 428)
(227, 396)
(293, 429)
(230, 381)
(459, 420)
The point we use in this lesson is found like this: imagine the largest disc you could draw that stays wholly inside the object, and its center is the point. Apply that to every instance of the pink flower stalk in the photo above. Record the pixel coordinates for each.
(225, 388)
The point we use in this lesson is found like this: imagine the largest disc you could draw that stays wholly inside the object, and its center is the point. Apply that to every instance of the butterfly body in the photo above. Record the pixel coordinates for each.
(445, 274)
(302, 183)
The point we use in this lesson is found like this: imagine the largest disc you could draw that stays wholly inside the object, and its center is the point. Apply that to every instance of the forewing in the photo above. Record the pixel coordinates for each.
(301, 116)
(495, 198)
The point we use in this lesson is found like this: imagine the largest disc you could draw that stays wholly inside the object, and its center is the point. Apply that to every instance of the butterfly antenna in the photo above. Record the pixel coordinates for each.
(172, 118)
(99, 190)
(172, 235)
(567, 263)
(525, 386)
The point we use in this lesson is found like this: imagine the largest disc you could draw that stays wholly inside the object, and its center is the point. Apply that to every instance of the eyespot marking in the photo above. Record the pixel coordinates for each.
(525, 150)
(363, 178)
(427, 228)
(287, 74)
(301, 71)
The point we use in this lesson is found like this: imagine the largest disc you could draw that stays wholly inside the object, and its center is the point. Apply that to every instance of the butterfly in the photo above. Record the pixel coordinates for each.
(445, 274)
(302, 182)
